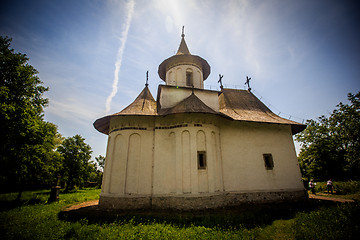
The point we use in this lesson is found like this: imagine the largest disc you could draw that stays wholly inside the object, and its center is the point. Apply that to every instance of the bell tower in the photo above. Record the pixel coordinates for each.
(184, 69)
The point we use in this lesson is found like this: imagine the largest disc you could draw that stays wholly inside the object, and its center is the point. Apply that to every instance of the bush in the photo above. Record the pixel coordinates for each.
(343, 188)
(320, 187)
(349, 187)
(341, 222)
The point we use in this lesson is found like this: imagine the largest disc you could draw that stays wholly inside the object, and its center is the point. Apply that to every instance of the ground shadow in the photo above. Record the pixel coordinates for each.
(248, 216)
(36, 198)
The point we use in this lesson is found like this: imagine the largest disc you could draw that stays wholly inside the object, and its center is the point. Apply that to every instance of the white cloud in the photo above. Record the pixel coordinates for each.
(130, 11)
(71, 109)
(169, 24)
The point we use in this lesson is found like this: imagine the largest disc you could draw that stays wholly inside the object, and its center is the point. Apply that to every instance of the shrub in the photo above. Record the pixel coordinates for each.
(349, 187)
(341, 222)
(343, 188)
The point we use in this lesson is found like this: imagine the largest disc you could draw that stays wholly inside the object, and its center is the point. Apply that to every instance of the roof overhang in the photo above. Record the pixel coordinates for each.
(184, 59)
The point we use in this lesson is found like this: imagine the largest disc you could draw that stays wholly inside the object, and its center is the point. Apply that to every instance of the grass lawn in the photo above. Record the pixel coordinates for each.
(33, 218)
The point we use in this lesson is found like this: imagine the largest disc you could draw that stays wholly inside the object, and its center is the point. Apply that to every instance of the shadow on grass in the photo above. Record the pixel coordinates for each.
(248, 216)
(76, 190)
(25, 200)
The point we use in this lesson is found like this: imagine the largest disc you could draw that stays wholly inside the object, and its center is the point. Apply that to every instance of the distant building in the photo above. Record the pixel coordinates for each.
(194, 148)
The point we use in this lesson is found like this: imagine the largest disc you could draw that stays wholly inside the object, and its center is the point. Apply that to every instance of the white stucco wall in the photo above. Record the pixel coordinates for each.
(242, 147)
(172, 148)
(128, 165)
(175, 157)
(176, 76)
(170, 96)
(158, 156)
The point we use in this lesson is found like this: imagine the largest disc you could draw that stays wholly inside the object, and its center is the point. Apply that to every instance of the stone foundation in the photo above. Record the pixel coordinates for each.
(198, 201)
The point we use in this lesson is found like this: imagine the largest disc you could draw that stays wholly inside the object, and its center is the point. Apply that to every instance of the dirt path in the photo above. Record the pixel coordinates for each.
(313, 196)
(81, 205)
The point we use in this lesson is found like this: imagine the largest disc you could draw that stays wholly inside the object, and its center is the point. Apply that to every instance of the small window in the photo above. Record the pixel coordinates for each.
(201, 160)
(189, 78)
(269, 162)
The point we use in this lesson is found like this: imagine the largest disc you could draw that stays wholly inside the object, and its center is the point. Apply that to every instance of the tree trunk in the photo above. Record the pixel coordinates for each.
(19, 195)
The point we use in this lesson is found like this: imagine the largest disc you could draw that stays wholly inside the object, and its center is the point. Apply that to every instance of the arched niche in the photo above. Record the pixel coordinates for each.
(133, 162)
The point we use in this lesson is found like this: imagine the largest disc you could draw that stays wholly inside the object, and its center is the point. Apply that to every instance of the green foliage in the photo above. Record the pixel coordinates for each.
(340, 187)
(41, 221)
(100, 161)
(27, 142)
(331, 146)
(96, 174)
(76, 156)
(341, 222)
(10, 200)
(349, 187)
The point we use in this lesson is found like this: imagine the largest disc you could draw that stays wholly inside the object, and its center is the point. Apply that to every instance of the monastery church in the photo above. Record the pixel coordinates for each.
(194, 148)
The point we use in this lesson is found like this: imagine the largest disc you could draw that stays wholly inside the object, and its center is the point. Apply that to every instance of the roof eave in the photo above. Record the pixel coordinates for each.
(179, 60)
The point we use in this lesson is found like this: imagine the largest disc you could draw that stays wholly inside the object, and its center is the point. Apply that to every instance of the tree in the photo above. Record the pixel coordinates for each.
(331, 146)
(100, 161)
(76, 156)
(27, 142)
(100, 164)
(345, 122)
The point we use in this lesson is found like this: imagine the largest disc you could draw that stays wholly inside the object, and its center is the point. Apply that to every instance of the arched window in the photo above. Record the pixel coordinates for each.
(189, 77)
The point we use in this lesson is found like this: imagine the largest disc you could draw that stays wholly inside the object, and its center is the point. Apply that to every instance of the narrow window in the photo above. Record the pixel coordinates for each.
(269, 162)
(189, 78)
(201, 160)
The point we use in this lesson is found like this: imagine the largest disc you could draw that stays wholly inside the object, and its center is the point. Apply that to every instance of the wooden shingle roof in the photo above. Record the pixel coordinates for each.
(144, 104)
(238, 105)
(183, 56)
(242, 105)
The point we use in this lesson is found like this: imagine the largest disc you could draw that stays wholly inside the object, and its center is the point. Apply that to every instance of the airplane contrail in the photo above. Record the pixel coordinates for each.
(130, 11)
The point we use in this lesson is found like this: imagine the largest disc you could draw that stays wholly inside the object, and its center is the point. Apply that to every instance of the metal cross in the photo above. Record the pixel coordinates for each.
(147, 78)
(248, 82)
(220, 80)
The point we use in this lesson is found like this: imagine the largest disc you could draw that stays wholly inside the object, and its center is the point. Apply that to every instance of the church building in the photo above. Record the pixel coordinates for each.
(194, 148)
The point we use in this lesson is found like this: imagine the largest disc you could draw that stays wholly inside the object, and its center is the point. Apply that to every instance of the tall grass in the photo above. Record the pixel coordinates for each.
(341, 222)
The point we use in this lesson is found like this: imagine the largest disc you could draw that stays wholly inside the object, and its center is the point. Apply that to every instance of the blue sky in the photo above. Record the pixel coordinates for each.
(303, 56)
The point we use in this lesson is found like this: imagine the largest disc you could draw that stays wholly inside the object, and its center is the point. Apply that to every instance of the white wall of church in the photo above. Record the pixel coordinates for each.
(160, 156)
(171, 96)
(129, 157)
(172, 148)
(176, 160)
(242, 147)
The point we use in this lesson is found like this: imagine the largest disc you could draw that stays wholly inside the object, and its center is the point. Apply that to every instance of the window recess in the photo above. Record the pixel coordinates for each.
(268, 160)
(201, 159)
